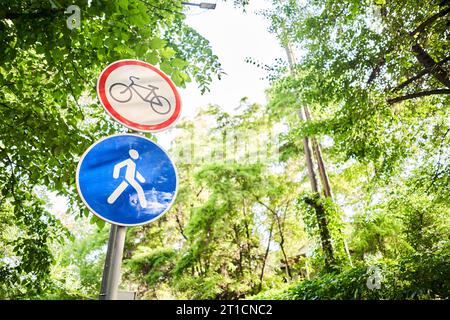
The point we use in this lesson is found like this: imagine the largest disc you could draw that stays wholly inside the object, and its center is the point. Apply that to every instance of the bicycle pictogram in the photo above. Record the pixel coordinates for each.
(123, 93)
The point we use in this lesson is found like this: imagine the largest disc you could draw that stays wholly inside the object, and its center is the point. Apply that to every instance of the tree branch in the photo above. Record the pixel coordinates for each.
(418, 76)
(429, 21)
(266, 254)
(418, 95)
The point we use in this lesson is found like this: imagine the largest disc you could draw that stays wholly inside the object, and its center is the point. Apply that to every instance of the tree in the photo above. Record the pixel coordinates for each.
(234, 217)
(398, 48)
(47, 79)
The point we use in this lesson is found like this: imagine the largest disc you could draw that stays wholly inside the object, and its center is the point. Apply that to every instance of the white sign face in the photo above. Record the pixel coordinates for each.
(139, 96)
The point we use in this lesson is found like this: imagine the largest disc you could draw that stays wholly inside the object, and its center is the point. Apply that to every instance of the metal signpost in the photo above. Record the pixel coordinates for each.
(113, 260)
(127, 179)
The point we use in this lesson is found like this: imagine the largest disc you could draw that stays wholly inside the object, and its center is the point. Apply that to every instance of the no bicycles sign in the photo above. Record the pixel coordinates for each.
(138, 95)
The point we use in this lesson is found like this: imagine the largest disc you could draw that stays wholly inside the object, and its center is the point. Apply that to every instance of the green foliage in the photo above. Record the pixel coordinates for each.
(219, 242)
(417, 276)
(244, 223)
(49, 116)
(154, 264)
(375, 233)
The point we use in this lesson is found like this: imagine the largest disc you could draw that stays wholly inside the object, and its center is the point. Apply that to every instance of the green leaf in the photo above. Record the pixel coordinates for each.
(179, 63)
(123, 4)
(167, 52)
(157, 43)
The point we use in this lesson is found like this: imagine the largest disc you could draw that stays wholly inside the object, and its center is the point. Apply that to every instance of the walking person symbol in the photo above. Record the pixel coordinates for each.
(131, 174)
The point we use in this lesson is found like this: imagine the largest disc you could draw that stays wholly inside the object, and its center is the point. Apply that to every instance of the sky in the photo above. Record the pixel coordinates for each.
(234, 35)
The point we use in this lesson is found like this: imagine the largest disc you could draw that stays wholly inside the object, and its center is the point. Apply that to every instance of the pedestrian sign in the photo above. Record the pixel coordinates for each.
(127, 179)
(139, 95)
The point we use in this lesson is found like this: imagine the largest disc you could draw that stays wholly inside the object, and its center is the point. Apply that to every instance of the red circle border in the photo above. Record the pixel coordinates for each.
(133, 125)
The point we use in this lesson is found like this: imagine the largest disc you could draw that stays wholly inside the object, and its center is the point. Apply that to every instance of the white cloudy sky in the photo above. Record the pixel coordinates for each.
(234, 35)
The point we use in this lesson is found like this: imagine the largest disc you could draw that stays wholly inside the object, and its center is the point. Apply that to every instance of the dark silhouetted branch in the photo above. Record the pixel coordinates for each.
(418, 76)
(428, 62)
(418, 95)
(429, 21)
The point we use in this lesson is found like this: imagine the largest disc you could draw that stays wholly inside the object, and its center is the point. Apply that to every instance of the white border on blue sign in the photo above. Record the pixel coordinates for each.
(98, 214)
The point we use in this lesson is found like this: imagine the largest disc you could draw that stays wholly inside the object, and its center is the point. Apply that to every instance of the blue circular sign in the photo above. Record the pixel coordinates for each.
(127, 180)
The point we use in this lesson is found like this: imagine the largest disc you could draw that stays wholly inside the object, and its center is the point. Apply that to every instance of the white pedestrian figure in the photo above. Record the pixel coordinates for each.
(130, 179)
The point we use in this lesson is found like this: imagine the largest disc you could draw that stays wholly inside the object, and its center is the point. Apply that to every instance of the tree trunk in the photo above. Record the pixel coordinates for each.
(280, 230)
(266, 254)
(428, 62)
(322, 222)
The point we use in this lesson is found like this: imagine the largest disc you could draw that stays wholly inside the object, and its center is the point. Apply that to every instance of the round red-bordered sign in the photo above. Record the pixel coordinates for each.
(139, 95)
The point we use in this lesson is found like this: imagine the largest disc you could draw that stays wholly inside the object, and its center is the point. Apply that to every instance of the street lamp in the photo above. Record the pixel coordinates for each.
(202, 5)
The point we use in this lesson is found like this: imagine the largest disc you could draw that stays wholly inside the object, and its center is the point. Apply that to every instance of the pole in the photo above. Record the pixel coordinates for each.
(112, 237)
(113, 261)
